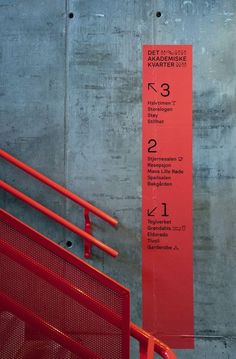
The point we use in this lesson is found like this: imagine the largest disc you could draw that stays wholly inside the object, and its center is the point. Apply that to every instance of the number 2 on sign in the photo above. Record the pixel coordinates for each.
(153, 143)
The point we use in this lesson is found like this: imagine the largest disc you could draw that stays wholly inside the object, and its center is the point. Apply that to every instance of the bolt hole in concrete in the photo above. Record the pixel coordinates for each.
(69, 244)
(71, 15)
(158, 14)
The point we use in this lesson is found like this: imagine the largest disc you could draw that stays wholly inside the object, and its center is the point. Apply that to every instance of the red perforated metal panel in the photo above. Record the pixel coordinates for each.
(70, 296)
(18, 340)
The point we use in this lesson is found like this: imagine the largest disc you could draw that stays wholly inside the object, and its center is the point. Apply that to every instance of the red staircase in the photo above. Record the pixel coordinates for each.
(53, 304)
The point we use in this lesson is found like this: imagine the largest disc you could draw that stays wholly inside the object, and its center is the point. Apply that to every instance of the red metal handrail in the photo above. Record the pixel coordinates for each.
(58, 218)
(57, 187)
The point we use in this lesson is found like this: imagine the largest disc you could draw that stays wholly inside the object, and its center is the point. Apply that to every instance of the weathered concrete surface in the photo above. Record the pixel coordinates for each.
(32, 95)
(70, 105)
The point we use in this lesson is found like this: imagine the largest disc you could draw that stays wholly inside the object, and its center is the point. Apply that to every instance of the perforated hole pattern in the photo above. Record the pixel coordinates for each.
(54, 306)
(21, 341)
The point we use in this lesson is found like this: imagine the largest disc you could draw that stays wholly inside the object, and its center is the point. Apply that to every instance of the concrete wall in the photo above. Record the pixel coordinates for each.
(70, 105)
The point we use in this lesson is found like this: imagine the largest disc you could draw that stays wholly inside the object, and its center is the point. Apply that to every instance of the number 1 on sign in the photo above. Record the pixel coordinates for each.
(165, 210)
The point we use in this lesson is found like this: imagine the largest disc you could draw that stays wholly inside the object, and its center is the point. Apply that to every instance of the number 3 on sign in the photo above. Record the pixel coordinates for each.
(166, 89)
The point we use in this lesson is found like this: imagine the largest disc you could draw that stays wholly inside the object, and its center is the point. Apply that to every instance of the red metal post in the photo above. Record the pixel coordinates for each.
(88, 229)
(147, 349)
(142, 351)
(143, 337)
(150, 348)
(58, 218)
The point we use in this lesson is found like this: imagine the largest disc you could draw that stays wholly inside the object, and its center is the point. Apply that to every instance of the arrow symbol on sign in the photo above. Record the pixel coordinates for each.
(150, 86)
(150, 212)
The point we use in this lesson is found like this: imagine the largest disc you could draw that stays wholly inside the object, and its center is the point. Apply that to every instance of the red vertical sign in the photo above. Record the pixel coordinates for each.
(167, 263)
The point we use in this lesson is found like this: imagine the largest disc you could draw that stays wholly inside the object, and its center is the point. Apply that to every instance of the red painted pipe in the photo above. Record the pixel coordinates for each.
(64, 191)
(58, 218)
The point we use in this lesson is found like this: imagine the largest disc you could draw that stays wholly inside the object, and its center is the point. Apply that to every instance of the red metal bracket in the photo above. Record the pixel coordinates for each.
(88, 229)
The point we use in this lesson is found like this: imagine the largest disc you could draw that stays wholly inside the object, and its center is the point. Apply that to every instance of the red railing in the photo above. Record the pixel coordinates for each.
(45, 281)
(65, 287)
(21, 253)
(88, 207)
(148, 343)
(88, 237)
(57, 187)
